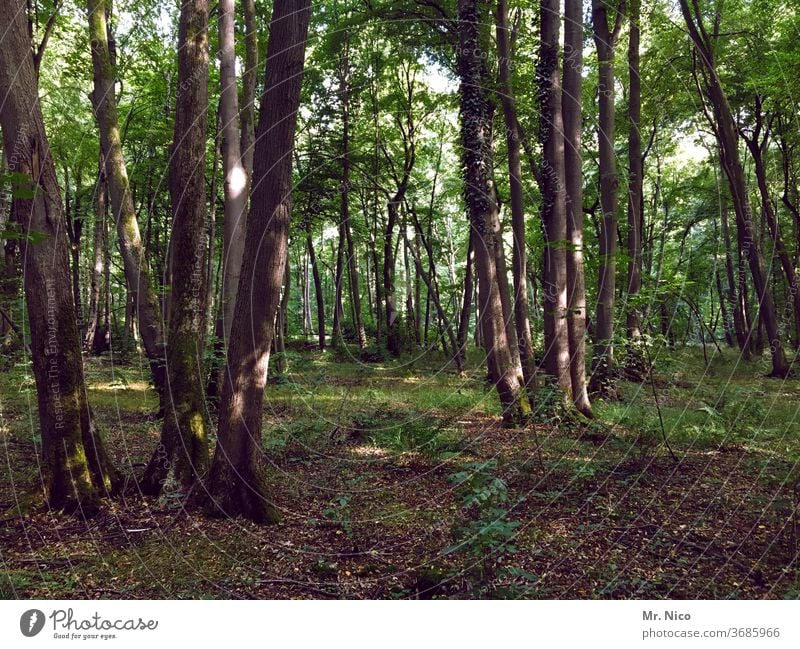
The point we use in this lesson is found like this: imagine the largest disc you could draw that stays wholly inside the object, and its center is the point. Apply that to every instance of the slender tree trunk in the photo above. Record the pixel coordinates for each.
(236, 483)
(184, 441)
(338, 307)
(725, 131)
(554, 210)
(740, 324)
(519, 260)
(605, 41)
(98, 240)
(466, 303)
(137, 272)
(479, 192)
(75, 468)
(317, 292)
(573, 176)
(635, 362)
(236, 179)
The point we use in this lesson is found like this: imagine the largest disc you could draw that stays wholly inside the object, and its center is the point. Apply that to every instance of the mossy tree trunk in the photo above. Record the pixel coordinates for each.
(76, 470)
(184, 443)
(237, 484)
(137, 272)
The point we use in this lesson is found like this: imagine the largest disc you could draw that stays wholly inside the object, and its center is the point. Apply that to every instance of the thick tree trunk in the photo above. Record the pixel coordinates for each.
(184, 441)
(605, 41)
(554, 210)
(137, 272)
(236, 483)
(573, 176)
(727, 138)
(76, 471)
(480, 199)
(392, 320)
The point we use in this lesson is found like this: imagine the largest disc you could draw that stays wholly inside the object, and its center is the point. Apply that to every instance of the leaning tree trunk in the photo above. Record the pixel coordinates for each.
(184, 442)
(554, 209)
(573, 177)
(75, 469)
(466, 302)
(605, 40)
(137, 272)
(479, 194)
(236, 482)
(728, 141)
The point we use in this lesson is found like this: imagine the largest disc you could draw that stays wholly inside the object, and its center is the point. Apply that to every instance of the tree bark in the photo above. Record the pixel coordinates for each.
(184, 441)
(137, 272)
(480, 199)
(98, 241)
(573, 177)
(236, 483)
(236, 177)
(605, 39)
(634, 363)
(554, 211)
(76, 470)
(317, 292)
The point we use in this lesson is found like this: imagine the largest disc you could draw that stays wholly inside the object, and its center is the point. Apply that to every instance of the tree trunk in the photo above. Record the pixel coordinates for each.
(184, 442)
(137, 272)
(479, 193)
(98, 241)
(236, 178)
(76, 471)
(466, 303)
(317, 292)
(554, 210)
(236, 483)
(726, 134)
(519, 260)
(605, 41)
(573, 176)
(634, 363)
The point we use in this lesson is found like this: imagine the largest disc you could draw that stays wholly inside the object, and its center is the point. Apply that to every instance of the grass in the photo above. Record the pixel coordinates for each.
(362, 459)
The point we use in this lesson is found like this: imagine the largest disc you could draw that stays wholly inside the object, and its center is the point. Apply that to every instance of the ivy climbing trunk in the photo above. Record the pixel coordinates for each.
(482, 209)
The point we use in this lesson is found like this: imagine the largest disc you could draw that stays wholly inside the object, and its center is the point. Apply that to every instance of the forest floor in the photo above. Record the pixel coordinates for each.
(397, 480)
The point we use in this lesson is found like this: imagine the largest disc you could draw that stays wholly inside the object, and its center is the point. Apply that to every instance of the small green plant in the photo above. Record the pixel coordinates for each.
(486, 534)
(339, 512)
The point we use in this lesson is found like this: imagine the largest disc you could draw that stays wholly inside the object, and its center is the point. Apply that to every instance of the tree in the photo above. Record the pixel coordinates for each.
(482, 207)
(236, 483)
(572, 82)
(76, 469)
(137, 272)
(554, 209)
(724, 127)
(184, 442)
(605, 39)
